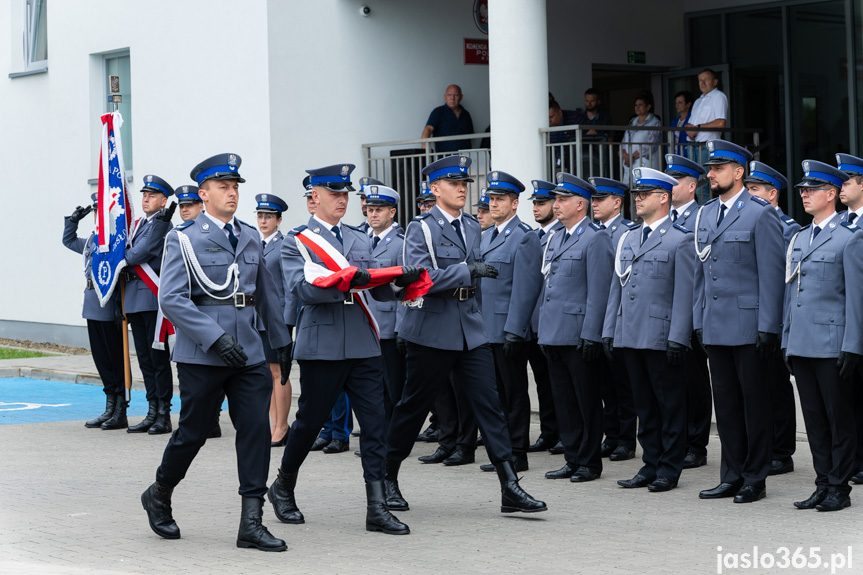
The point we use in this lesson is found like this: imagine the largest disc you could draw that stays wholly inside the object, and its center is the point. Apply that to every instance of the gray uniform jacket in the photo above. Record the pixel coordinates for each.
(144, 248)
(575, 292)
(92, 309)
(198, 327)
(273, 261)
(654, 306)
(509, 299)
(388, 254)
(789, 226)
(444, 323)
(686, 218)
(543, 241)
(824, 309)
(739, 287)
(619, 225)
(328, 327)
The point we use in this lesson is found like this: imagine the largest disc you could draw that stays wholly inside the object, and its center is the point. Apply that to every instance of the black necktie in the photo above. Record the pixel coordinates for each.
(494, 234)
(644, 234)
(263, 244)
(673, 216)
(231, 237)
(851, 217)
(375, 241)
(541, 233)
(455, 224)
(338, 234)
(815, 231)
(722, 209)
(565, 238)
(602, 226)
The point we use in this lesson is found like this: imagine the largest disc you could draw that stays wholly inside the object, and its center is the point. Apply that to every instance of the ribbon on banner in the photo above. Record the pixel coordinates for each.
(164, 328)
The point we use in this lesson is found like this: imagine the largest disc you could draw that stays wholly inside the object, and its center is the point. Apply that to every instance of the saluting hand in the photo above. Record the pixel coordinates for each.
(165, 214)
(230, 351)
(79, 213)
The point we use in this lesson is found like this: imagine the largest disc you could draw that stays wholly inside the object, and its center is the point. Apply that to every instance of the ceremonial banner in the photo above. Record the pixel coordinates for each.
(114, 214)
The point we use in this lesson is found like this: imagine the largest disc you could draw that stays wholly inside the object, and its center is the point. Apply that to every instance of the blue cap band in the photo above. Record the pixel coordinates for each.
(574, 189)
(159, 187)
(507, 185)
(378, 197)
(437, 174)
(739, 158)
(215, 170)
(685, 169)
(655, 184)
(762, 176)
(610, 190)
(323, 180)
(269, 205)
(851, 168)
(827, 177)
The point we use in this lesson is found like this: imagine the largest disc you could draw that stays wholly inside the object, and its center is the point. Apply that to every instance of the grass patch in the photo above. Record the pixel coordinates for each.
(6, 353)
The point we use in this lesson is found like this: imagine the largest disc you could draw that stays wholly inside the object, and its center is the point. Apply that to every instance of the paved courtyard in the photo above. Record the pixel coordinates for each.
(69, 503)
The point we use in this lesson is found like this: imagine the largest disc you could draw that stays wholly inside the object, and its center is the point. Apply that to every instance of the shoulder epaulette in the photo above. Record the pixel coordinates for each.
(852, 227)
(710, 202)
(421, 217)
(525, 227)
(185, 225)
(761, 201)
(298, 229)
(633, 225)
(355, 228)
(787, 219)
(471, 217)
(400, 235)
(247, 225)
(595, 226)
(806, 227)
(625, 222)
(682, 229)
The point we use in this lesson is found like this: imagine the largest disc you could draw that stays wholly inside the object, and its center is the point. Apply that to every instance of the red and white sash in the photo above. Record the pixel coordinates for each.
(164, 328)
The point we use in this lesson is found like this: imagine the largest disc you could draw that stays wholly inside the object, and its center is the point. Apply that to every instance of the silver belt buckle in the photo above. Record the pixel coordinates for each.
(463, 294)
(350, 300)
(239, 300)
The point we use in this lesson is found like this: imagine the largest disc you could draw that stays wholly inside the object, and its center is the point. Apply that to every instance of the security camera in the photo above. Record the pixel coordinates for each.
(365, 11)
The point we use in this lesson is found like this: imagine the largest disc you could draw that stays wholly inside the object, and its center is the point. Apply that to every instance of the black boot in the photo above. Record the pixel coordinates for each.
(281, 496)
(252, 533)
(163, 418)
(110, 403)
(157, 503)
(378, 517)
(118, 418)
(148, 420)
(513, 497)
(394, 499)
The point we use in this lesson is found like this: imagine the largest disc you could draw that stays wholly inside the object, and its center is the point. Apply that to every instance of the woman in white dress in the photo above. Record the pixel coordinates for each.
(640, 148)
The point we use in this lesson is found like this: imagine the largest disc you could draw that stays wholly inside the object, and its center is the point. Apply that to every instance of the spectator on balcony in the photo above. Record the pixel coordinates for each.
(560, 117)
(683, 106)
(451, 119)
(710, 110)
(593, 116)
(640, 148)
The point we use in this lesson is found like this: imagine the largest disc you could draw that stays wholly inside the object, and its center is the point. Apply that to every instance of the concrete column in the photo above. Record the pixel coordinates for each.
(518, 90)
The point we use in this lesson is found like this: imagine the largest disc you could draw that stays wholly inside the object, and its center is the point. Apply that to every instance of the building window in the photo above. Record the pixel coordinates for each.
(36, 34)
(117, 64)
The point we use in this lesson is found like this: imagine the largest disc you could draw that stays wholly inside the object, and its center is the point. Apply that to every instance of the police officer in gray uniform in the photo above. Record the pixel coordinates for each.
(649, 319)
(366, 181)
(511, 247)
(699, 399)
(337, 347)
(577, 266)
(140, 305)
(821, 335)
(106, 338)
(738, 312)
(766, 183)
(447, 334)
(213, 287)
(543, 214)
(619, 418)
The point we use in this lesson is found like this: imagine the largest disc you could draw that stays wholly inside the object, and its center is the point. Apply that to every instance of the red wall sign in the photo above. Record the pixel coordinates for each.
(476, 51)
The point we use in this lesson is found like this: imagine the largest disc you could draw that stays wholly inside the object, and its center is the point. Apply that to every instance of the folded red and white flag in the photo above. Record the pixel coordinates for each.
(164, 328)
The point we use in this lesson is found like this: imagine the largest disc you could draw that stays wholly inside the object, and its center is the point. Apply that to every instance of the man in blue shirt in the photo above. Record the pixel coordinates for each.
(451, 119)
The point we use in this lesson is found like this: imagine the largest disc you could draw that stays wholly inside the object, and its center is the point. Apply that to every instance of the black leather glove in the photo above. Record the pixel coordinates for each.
(481, 270)
(410, 274)
(675, 353)
(230, 351)
(579, 345)
(787, 361)
(401, 346)
(165, 214)
(608, 347)
(767, 345)
(361, 278)
(699, 335)
(513, 344)
(79, 213)
(284, 354)
(591, 350)
(847, 363)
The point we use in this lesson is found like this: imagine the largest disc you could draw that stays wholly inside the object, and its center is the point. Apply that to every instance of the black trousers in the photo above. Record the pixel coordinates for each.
(106, 343)
(699, 399)
(744, 415)
(784, 411)
(619, 417)
(660, 398)
(155, 364)
(511, 378)
(547, 416)
(857, 386)
(828, 410)
(455, 420)
(578, 403)
(394, 374)
(201, 388)
(321, 382)
(428, 369)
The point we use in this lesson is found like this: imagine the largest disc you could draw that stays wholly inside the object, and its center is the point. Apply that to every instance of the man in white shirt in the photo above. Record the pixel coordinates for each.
(710, 110)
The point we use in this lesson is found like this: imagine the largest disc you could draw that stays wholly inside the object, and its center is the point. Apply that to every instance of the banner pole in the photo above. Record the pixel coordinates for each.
(127, 363)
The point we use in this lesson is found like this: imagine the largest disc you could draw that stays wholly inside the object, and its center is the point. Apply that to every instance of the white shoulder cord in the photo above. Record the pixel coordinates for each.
(623, 276)
(702, 254)
(191, 260)
(547, 266)
(429, 244)
(789, 273)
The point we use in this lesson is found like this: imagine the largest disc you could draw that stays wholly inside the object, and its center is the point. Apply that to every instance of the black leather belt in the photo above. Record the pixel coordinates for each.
(461, 294)
(130, 275)
(90, 284)
(239, 300)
